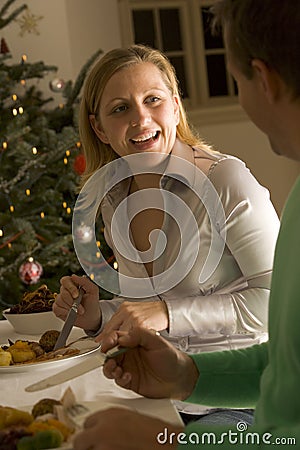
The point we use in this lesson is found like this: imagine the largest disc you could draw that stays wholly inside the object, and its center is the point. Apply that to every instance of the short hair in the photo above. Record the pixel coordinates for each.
(96, 152)
(268, 30)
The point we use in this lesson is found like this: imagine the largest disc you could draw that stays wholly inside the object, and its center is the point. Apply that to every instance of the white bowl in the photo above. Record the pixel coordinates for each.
(34, 323)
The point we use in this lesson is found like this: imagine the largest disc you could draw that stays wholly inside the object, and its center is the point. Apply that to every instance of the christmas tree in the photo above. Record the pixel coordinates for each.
(40, 164)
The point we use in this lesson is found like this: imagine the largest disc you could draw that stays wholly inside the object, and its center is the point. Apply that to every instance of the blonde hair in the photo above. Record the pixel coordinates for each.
(97, 154)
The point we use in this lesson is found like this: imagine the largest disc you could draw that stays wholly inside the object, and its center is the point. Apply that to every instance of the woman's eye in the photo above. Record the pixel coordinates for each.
(120, 108)
(152, 99)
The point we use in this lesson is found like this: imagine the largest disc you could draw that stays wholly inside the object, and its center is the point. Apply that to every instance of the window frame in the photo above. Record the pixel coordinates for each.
(200, 106)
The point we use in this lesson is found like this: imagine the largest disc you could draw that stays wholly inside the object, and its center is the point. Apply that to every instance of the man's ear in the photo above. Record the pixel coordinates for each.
(268, 78)
(97, 130)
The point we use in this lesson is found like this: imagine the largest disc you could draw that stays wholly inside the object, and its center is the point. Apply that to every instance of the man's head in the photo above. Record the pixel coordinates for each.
(263, 54)
(268, 30)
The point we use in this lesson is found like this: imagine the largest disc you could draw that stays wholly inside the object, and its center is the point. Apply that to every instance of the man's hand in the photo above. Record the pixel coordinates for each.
(152, 367)
(123, 429)
(89, 312)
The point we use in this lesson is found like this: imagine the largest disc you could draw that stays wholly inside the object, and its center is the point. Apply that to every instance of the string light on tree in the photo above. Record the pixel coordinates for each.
(16, 111)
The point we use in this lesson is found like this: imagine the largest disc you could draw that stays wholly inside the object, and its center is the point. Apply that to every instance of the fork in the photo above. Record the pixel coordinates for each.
(82, 338)
(77, 413)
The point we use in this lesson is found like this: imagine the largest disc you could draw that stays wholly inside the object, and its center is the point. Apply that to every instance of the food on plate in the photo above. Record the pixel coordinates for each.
(37, 348)
(45, 406)
(40, 300)
(5, 358)
(45, 439)
(48, 340)
(12, 416)
(50, 424)
(47, 426)
(9, 437)
(21, 352)
(29, 352)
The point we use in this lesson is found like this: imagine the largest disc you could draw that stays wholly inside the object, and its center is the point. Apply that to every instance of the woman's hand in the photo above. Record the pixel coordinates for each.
(124, 429)
(151, 366)
(89, 312)
(151, 315)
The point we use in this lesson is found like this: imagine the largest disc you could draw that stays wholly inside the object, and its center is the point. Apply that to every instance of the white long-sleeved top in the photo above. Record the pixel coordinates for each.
(233, 239)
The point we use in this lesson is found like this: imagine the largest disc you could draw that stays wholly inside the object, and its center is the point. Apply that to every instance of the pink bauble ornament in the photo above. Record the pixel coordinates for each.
(30, 271)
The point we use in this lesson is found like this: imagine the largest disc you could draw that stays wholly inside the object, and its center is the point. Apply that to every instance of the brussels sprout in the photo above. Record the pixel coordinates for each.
(44, 406)
(41, 440)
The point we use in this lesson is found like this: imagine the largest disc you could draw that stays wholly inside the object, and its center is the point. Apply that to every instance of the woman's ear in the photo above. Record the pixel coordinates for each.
(97, 130)
(176, 108)
(268, 78)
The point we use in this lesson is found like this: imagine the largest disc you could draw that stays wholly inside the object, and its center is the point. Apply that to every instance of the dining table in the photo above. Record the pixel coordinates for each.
(92, 388)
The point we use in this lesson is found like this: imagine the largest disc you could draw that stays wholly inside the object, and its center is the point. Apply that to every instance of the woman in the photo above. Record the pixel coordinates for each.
(131, 107)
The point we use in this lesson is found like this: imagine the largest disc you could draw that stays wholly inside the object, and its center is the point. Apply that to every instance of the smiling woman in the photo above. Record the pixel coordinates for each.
(137, 112)
(107, 72)
(192, 230)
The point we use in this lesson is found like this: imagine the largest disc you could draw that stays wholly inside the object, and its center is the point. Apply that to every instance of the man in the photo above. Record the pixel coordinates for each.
(262, 39)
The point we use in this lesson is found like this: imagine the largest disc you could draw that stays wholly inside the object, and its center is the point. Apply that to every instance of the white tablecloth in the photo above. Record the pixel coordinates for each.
(90, 387)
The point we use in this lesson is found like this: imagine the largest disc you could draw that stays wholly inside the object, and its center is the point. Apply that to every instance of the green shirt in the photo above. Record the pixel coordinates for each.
(266, 376)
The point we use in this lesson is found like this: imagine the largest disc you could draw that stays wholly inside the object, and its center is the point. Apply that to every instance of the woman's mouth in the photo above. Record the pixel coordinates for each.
(145, 138)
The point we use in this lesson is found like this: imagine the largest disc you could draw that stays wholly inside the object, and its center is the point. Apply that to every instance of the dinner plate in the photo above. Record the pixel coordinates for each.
(85, 347)
(163, 409)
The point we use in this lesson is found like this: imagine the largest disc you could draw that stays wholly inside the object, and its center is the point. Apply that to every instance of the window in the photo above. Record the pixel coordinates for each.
(180, 28)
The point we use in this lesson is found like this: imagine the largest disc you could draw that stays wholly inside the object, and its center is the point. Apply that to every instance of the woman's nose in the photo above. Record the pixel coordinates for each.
(140, 116)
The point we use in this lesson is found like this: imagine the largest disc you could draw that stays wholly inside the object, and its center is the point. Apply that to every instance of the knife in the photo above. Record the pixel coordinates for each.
(91, 363)
(70, 320)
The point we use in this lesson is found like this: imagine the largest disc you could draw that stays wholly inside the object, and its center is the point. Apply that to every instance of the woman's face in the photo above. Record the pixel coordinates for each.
(137, 112)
